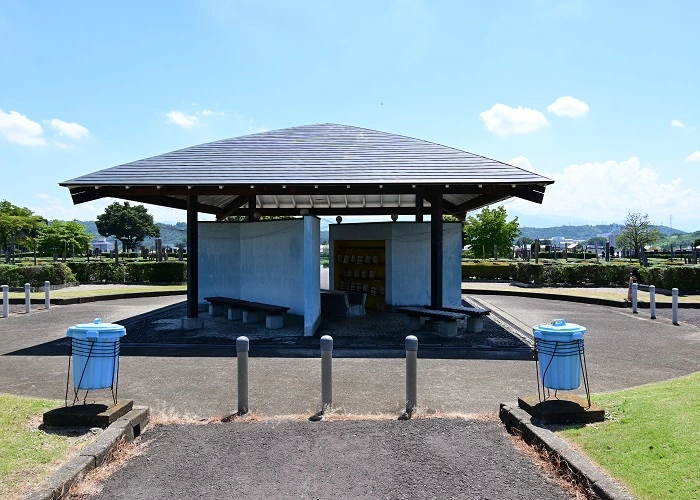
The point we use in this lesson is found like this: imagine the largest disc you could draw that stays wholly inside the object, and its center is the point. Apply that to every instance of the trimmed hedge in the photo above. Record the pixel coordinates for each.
(572, 274)
(131, 272)
(485, 270)
(17, 276)
(686, 278)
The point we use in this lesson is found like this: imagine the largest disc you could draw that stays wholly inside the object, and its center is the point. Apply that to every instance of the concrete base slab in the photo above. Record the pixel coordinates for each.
(411, 322)
(274, 321)
(475, 324)
(235, 313)
(191, 324)
(446, 328)
(566, 409)
(88, 415)
(251, 317)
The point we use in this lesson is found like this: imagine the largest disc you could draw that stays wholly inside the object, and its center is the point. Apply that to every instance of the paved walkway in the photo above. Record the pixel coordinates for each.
(622, 350)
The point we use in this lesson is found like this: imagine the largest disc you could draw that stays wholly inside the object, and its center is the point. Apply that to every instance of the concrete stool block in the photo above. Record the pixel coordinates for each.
(447, 328)
(217, 309)
(475, 324)
(274, 321)
(235, 313)
(250, 316)
(411, 322)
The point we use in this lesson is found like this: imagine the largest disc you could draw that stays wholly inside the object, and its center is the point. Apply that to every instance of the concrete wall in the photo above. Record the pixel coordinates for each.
(275, 262)
(407, 271)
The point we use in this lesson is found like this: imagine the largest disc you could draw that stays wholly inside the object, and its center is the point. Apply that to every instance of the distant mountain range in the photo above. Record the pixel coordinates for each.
(173, 234)
(582, 232)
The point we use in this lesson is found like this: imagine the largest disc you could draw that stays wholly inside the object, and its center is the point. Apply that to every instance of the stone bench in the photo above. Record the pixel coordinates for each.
(343, 304)
(445, 321)
(247, 311)
(475, 317)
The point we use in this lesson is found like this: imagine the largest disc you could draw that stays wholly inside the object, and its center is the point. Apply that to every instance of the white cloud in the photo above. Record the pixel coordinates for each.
(181, 119)
(504, 120)
(609, 190)
(17, 128)
(68, 129)
(677, 123)
(522, 162)
(568, 106)
(206, 112)
(694, 157)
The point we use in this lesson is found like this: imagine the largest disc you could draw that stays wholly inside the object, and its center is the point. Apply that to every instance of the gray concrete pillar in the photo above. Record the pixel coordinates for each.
(5, 301)
(27, 298)
(652, 301)
(47, 295)
(674, 306)
(635, 286)
(326, 372)
(411, 373)
(242, 347)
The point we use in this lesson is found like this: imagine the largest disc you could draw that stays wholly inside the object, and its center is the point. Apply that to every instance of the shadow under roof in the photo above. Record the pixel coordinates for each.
(328, 169)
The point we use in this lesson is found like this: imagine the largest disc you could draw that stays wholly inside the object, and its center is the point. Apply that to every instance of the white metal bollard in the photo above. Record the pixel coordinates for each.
(27, 298)
(652, 301)
(242, 347)
(674, 310)
(635, 286)
(411, 373)
(326, 372)
(5, 301)
(47, 295)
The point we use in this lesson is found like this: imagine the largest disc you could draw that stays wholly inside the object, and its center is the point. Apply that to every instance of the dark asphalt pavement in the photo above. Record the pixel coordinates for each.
(423, 458)
(622, 350)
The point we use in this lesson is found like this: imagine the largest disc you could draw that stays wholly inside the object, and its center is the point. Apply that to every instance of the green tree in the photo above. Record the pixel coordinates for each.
(599, 240)
(60, 236)
(129, 224)
(15, 222)
(637, 232)
(489, 228)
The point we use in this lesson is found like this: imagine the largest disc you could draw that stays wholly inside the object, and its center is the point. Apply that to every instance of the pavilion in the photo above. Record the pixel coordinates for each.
(314, 170)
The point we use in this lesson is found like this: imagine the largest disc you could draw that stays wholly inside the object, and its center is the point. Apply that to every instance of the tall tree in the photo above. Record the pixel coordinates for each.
(15, 221)
(59, 236)
(129, 224)
(637, 232)
(489, 228)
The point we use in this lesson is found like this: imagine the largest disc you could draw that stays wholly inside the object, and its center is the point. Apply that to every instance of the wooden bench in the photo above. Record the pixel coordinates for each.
(248, 311)
(475, 317)
(445, 321)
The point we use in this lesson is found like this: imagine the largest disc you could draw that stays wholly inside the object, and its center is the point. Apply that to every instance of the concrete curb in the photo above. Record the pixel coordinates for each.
(586, 472)
(93, 455)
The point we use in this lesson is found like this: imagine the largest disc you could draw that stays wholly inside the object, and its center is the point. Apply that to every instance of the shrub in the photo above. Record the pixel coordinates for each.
(485, 270)
(685, 278)
(131, 272)
(17, 276)
(571, 274)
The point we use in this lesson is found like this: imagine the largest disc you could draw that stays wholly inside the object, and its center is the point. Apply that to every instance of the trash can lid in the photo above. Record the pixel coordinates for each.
(559, 327)
(103, 329)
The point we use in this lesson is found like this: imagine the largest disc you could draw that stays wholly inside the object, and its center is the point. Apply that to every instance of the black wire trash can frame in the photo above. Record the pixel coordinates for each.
(94, 353)
(560, 359)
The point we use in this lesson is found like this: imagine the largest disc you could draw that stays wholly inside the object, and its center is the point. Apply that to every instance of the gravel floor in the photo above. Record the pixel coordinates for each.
(422, 458)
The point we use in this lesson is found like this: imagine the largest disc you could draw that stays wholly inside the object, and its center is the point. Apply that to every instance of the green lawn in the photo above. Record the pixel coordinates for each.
(70, 292)
(650, 439)
(27, 453)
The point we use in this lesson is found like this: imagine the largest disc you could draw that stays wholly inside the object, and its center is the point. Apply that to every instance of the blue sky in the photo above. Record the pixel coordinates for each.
(600, 96)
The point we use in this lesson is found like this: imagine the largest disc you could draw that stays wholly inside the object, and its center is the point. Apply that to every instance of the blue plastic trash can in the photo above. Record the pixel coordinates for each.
(559, 350)
(95, 351)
